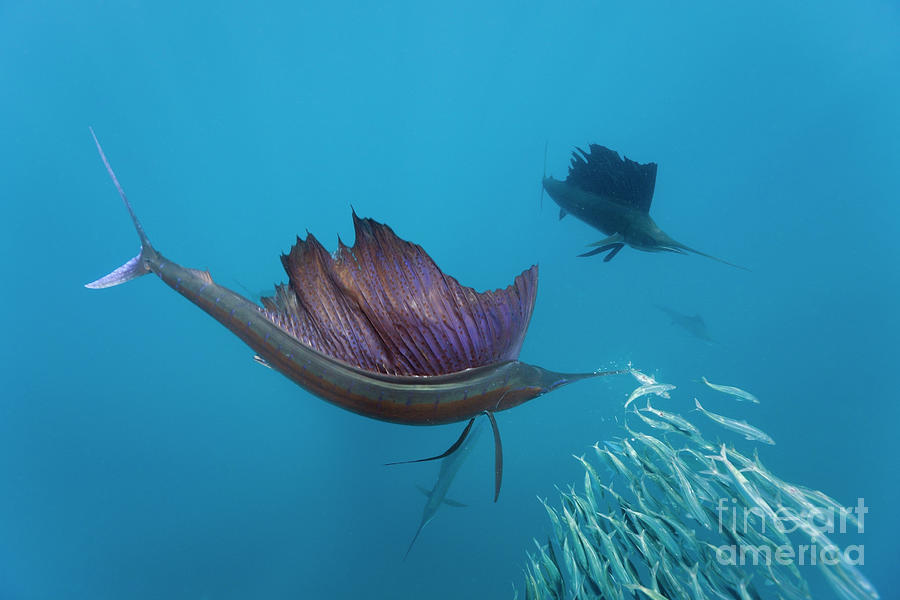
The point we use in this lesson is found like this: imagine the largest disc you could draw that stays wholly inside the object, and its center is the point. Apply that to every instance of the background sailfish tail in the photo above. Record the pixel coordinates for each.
(138, 265)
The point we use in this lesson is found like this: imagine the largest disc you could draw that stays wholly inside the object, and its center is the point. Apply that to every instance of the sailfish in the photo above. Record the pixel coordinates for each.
(376, 328)
(613, 195)
(437, 495)
(693, 324)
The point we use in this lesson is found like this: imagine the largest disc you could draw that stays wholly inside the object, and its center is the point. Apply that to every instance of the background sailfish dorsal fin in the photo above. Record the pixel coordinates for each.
(383, 305)
(603, 172)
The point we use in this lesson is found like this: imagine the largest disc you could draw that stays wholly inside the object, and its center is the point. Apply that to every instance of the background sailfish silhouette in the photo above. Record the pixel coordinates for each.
(614, 195)
(376, 328)
(437, 495)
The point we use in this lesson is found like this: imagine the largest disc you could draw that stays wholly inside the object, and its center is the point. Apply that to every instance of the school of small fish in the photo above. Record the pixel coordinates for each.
(650, 522)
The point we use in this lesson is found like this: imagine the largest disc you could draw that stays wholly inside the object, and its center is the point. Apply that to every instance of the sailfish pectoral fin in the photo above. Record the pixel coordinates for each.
(448, 452)
(613, 252)
(614, 243)
(613, 248)
(615, 238)
(596, 251)
(498, 455)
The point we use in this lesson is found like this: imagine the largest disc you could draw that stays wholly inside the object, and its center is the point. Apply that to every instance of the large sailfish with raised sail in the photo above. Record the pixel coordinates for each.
(376, 328)
(613, 195)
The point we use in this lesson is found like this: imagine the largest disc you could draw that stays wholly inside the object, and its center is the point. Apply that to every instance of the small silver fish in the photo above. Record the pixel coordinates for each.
(696, 588)
(742, 427)
(661, 425)
(677, 421)
(549, 566)
(645, 379)
(690, 501)
(746, 491)
(622, 576)
(652, 388)
(732, 391)
(651, 594)
(554, 519)
(657, 531)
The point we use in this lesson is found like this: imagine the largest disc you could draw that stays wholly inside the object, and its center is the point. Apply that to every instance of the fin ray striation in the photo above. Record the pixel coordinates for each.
(383, 305)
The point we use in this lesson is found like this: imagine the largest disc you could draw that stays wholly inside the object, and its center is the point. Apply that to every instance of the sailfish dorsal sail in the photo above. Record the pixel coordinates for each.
(603, 172)
(383, 305)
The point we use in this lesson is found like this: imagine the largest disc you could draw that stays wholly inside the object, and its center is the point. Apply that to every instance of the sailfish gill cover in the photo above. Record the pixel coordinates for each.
(384, 306)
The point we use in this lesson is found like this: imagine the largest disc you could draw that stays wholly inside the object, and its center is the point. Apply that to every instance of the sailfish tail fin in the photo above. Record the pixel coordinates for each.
(137, 266)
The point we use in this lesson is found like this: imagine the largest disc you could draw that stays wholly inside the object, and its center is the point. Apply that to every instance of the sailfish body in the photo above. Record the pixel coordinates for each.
(377, 328)
(437, 495)
(613, 195)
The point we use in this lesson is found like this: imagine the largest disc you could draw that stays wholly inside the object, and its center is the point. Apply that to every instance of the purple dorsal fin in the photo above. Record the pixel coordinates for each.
(383, 305)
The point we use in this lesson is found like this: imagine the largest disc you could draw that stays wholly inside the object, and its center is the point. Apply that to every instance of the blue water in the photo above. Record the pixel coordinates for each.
(144, 455)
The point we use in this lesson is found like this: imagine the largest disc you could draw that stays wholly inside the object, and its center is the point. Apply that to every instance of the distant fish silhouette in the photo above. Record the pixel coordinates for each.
(614, 196)
(377, 329)
(695, 325)
(437, 495)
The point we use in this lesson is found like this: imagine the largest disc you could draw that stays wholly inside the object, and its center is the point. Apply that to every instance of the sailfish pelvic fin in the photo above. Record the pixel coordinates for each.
(446, 453)
(498, 455)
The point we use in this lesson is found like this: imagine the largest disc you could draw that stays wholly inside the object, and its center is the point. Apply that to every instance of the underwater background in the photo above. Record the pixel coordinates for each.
(143, 454)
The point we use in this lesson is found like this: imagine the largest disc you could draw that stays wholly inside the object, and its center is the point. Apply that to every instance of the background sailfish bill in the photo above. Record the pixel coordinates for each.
(376, 328)
(614, 194)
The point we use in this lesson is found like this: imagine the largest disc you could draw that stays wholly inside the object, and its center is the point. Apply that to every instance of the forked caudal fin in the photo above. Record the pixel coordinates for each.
(137, 266)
